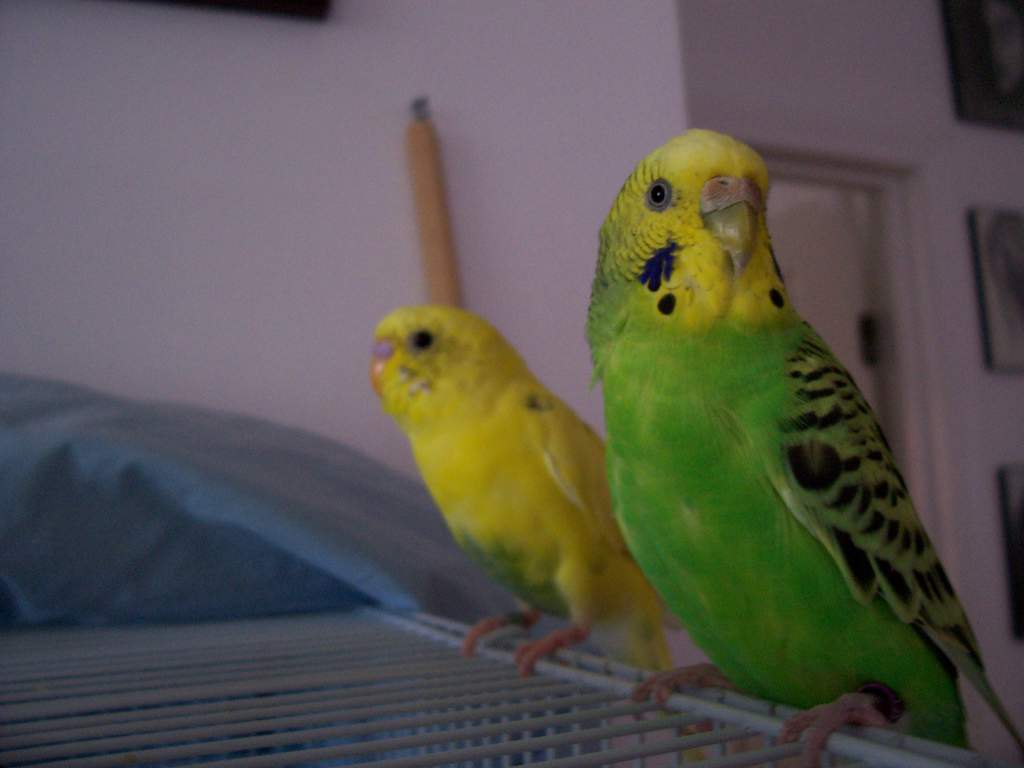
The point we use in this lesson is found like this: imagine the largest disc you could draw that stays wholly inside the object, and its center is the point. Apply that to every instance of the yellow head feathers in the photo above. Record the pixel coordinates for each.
(427, 358)
(685, 245)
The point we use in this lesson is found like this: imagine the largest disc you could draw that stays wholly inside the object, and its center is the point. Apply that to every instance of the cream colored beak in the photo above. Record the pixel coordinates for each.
(731, 208)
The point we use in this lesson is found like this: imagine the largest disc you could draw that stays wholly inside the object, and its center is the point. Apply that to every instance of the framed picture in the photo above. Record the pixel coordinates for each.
(986, 50)
(1011, 493)
(997, 241)
(310, 9)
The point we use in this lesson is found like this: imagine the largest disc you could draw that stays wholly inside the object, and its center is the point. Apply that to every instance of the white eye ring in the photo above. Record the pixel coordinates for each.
(659, 195)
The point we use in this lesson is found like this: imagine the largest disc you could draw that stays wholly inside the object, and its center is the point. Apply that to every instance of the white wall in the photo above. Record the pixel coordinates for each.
(869, 80)
(213, 207)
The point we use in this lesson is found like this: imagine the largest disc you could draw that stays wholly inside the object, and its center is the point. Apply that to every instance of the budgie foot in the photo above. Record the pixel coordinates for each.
(524, 619)
(818, 723)
(528, 654)
(664, 684)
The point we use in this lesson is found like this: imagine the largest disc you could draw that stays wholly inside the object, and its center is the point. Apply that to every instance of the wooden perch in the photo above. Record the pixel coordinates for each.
(440, 266)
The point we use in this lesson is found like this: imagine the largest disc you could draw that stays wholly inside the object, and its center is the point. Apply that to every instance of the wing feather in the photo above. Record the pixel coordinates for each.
(573, 456)
(838, 477)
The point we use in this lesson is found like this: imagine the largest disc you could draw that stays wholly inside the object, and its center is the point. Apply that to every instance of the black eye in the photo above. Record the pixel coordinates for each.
(421, 339)
(659, 195)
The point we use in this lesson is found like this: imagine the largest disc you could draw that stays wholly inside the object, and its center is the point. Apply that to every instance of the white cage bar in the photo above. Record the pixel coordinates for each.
(371, 687)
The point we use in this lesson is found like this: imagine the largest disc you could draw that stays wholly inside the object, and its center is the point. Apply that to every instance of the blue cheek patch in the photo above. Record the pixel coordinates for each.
(659, 267)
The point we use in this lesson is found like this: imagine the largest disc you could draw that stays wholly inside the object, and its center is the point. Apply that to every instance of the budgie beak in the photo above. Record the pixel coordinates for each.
(382, 352)
(730, 208)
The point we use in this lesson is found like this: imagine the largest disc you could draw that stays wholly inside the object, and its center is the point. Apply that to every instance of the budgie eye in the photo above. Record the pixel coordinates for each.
(421, 339)
(659, 195)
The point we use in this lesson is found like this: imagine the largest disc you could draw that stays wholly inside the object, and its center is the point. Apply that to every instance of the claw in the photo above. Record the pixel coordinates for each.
(478, 630)
(525, 619)
(528, 654)
(664, 684)
(820, 722)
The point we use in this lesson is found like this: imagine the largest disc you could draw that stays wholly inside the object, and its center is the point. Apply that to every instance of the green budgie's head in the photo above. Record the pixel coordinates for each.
(685, 246)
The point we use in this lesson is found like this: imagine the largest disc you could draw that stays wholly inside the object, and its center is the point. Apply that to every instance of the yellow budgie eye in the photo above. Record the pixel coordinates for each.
(659, 195)
(420, 340)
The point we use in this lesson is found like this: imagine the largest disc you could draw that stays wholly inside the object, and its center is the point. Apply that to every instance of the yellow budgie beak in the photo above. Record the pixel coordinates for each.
(730, 208)
(382, 352)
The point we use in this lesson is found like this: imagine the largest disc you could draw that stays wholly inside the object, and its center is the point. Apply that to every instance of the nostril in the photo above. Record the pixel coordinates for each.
(382, 350)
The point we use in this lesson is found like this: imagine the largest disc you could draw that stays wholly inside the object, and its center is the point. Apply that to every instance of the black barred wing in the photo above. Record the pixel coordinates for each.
(840, 480)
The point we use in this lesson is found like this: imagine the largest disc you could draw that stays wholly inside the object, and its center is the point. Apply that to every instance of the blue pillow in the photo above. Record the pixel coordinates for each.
(115, 511)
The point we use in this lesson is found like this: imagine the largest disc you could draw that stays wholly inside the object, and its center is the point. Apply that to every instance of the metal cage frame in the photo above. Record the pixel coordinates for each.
(373, 687)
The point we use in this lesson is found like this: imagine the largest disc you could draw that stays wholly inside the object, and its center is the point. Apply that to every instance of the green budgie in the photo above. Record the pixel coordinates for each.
(751, 480)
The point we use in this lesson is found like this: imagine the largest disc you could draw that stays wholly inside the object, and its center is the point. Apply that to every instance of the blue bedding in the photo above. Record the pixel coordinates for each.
(116, 511)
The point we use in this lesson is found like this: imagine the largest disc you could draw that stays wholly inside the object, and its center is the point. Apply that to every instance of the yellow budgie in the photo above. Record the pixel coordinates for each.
(520, 481)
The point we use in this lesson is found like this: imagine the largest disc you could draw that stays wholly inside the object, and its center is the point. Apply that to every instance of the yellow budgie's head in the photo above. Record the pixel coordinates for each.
(430, 363)
(685, 245)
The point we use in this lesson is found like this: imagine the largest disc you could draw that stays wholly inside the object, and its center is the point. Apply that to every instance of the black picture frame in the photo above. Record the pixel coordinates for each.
(1011, 500)
(316, 10)
(997, 248)
(985, 39)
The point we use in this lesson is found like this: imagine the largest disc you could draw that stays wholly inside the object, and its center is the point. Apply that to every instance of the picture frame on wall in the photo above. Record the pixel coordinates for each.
(316, 10)
(997, 244)
(985, 39)
(1011, 495)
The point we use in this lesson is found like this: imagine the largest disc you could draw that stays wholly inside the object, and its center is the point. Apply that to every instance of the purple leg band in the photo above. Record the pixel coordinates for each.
(886, 699)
